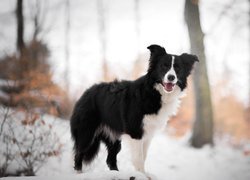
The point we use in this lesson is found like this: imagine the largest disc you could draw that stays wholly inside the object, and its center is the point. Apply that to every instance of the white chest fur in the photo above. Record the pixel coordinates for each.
(170, 104)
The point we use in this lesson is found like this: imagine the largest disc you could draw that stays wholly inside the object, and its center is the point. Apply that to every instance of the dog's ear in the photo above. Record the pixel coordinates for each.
(188, 61)
(156, 50)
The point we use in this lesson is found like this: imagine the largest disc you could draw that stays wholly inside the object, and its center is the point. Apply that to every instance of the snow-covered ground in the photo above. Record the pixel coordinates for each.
(168, 158)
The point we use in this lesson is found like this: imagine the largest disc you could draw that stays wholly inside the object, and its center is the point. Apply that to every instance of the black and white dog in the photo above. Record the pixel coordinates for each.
(135, 108)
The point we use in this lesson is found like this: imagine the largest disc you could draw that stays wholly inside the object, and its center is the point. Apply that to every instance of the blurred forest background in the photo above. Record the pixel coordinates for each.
(51, 51)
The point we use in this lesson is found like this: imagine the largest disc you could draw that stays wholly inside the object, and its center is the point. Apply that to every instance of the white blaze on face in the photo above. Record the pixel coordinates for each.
(170, 78)
(171, 72)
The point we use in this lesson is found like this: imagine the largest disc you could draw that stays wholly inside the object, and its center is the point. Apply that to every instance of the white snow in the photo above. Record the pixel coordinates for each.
(168, 158)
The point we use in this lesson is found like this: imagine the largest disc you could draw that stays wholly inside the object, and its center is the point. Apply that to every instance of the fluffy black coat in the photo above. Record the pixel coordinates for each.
(107, 110)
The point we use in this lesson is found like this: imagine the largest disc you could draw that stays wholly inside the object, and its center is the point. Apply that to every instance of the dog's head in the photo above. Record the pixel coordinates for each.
(170, 70)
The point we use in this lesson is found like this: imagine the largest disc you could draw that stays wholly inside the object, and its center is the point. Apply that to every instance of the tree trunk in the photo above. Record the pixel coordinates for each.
(20, 26)
(103, 40)
(249, 55)
(248, 108)
(203, 124)
(137, 26)
(36, 18)
(67, 44)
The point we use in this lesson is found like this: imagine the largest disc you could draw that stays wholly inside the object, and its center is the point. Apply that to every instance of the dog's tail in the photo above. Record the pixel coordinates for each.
(84, 124)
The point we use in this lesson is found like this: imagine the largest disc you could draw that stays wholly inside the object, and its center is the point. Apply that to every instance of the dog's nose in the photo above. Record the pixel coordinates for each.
(171, 77)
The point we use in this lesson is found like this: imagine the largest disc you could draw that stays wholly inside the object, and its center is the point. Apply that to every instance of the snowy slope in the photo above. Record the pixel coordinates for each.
(167, 159)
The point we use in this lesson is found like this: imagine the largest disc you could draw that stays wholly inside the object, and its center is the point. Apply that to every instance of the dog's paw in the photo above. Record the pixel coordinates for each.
(132, 178)
(150, 176)
(79, 171)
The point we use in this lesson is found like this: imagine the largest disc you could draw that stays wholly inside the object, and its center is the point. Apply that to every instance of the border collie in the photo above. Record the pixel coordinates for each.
(136, 108)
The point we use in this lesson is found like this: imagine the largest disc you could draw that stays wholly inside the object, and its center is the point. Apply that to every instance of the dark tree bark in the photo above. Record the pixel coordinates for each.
(36, 18)
(20, 26)
(203, 124)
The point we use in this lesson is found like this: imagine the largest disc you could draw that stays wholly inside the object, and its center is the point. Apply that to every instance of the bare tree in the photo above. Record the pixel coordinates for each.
(67, 43)
(138, 66)
(20, 26)
(248, 113)
(102, 33)
(249, 57)
(38, 17)
(137, 25)
(203, 124)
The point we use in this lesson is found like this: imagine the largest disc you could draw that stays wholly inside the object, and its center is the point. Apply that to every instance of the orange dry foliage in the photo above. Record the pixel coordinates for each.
(230, 118)
(33, 87)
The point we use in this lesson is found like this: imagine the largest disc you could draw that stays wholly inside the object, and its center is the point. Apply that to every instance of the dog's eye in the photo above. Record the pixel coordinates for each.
(176, 67)
(165, 65)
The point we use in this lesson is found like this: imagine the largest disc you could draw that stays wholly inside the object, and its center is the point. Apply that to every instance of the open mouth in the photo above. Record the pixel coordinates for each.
(168, 86)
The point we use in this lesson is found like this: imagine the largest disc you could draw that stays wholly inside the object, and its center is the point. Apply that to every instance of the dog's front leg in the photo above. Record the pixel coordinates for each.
(137, 154)
(146, 144)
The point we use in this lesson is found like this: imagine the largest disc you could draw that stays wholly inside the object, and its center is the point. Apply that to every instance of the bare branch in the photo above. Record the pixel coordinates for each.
(4, 119)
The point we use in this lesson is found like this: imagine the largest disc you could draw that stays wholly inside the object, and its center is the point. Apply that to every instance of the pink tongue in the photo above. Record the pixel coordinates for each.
(168, 86)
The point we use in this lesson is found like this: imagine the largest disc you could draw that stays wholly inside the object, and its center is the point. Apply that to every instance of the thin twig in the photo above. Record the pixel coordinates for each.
(4, 120)
(221, 15)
